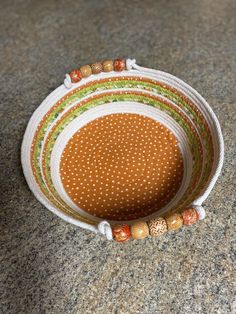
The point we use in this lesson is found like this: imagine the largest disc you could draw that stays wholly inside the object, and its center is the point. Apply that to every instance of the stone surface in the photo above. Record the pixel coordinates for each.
(50, 266)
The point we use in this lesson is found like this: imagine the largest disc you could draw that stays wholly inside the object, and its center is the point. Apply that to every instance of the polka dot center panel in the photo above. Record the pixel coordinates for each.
(122, 167)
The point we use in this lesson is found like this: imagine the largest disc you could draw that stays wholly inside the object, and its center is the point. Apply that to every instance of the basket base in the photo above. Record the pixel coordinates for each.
(122, 166)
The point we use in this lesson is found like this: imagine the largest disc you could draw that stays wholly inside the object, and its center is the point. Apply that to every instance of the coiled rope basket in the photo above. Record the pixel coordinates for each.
(123, 150)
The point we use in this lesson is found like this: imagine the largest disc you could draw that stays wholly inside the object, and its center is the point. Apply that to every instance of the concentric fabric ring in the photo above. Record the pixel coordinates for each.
(188, 111)
(112, 95)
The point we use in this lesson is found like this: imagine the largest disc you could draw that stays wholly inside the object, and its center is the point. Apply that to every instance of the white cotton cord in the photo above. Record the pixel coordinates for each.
(105, 229)
(67, 81)
(219, 151)
(130, 64)
(201, 212)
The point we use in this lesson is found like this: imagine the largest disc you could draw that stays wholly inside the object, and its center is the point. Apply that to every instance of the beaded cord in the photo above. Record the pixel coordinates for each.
(140, 229)
(85, 71)
(156, 227)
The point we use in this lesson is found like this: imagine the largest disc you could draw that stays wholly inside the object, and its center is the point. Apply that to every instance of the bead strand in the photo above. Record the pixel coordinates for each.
(96, 68)
(155, 227)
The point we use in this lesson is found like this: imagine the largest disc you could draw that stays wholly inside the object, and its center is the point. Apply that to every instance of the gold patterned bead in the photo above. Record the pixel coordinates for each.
(96, 68)
(157, 226)
(107, 66)
(86, 70)
(139, 230)
(174, 221)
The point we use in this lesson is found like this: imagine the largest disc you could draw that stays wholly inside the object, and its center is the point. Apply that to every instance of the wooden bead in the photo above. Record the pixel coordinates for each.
(107, 66)
(139, 230)
(119, 64)
(75, 76)
(86, 70)
(157, 226)
(121, 233)
(96, 68)
(174, 221)
(190, 216)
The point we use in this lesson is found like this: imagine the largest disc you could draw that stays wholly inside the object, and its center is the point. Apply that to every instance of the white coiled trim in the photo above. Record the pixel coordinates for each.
(130, 64)
(67, 81)
(105, 229)
(201, 212)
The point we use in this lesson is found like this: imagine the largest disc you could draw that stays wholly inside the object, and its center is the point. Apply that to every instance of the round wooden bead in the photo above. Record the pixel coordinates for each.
(174, 221)
(119, 65)
(121, 233)
(96, 68)
(190, 216)
(75, 76)
(157, 226)
(107, 66)
(86, 70)
(139, 230)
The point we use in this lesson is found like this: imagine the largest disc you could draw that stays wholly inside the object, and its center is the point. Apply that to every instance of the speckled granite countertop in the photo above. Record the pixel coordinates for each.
(49, 266)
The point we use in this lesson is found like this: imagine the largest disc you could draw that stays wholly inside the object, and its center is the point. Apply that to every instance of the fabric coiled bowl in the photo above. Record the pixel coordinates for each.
(122, 146)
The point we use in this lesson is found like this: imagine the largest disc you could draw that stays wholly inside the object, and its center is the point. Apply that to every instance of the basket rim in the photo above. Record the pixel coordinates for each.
(134, 68)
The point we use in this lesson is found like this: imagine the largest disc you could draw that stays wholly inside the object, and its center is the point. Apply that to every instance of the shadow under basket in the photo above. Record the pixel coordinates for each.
(123, 150)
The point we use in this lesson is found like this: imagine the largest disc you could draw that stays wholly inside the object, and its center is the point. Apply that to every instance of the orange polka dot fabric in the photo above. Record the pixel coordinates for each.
(122, 166)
